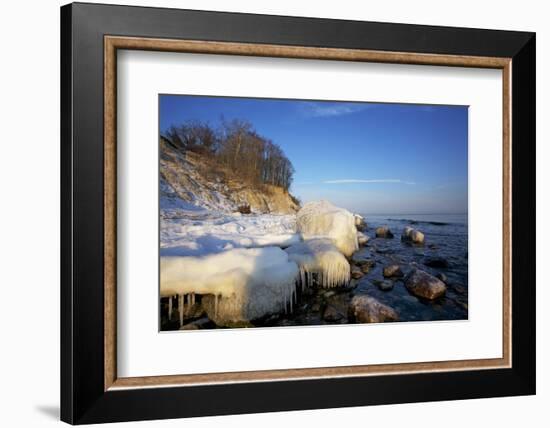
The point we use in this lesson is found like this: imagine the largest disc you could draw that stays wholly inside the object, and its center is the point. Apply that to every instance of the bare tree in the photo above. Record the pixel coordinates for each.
(238, 147)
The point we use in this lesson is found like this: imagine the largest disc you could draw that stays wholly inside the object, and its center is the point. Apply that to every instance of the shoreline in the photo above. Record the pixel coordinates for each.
(319, 306)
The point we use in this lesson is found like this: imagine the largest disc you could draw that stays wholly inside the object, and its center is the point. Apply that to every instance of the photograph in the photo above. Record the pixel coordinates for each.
(275, 218)
(291, 212)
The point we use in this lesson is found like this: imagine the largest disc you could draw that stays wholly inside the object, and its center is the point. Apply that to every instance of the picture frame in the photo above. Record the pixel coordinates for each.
(91, 35)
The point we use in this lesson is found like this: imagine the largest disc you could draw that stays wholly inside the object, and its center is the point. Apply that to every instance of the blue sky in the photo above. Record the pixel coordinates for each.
(367, 157)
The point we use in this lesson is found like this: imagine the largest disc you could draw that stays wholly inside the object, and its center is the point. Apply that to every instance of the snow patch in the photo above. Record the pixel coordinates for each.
(202, 232)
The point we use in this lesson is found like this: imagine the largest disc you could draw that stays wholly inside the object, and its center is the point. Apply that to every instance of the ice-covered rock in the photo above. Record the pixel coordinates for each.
(320, 259)
(384, 232)
(360, 223)
(237, 285)
(362, 239)
(412, 235)
(321, 219)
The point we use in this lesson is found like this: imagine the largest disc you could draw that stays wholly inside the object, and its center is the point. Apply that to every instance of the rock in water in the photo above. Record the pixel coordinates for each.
(412, 235)
(436, 262)
(392, 271)
(367, 266)
(424, 285)
(384, 232)
(363, 259)
(321, 219)
(441, 276)
(366, 309)
(362, 239)
(385, 285)
(332, 314)
(356, 273)
(360, 223)
(197, 324)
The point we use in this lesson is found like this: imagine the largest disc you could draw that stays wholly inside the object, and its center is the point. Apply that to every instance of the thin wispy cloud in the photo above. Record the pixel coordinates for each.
(326, 109)
(377, 180)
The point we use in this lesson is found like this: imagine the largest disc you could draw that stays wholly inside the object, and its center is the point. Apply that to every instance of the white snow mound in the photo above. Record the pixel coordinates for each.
(201, 232)
(243, 284)
(321, 259)
(321, 219)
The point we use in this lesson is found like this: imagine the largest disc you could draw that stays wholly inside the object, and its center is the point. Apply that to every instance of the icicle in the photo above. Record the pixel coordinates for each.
(290, 300)
(181, 308)
(170, 308)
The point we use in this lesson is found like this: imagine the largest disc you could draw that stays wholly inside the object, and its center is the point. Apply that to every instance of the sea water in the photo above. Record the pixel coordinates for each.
(446, 236)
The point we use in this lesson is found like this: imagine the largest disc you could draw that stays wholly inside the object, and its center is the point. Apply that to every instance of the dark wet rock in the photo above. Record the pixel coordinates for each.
(360, 257)
(436, 262)
(459, 289)
(392, 271)
(384, 232)
(441, 276)
(462, 304)
(360, 223)
(367, 266)
(328, 294)
(308, 291)
(412, 236)
(199, 324)
(353, 283)
(332, 314)
(410, 299)
(356, 273)
(316, 307)
(366, 309)
(424, 285)
(337, 308)
(285, 322)
(363, 259)
(190, 312)
(385, 285)
(385, 250)
(272, 319)
(362, 239)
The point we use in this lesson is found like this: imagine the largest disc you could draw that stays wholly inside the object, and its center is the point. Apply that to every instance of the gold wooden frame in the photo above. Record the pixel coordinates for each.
(113, 43)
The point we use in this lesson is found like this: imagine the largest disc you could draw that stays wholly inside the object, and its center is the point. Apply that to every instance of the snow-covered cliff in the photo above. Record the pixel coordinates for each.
(190, 180)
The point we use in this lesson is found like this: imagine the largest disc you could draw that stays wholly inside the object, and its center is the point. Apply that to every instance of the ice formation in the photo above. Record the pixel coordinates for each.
(236, 263)
(362, 239)
(321, 219)
(319, 258)
(244, 284)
